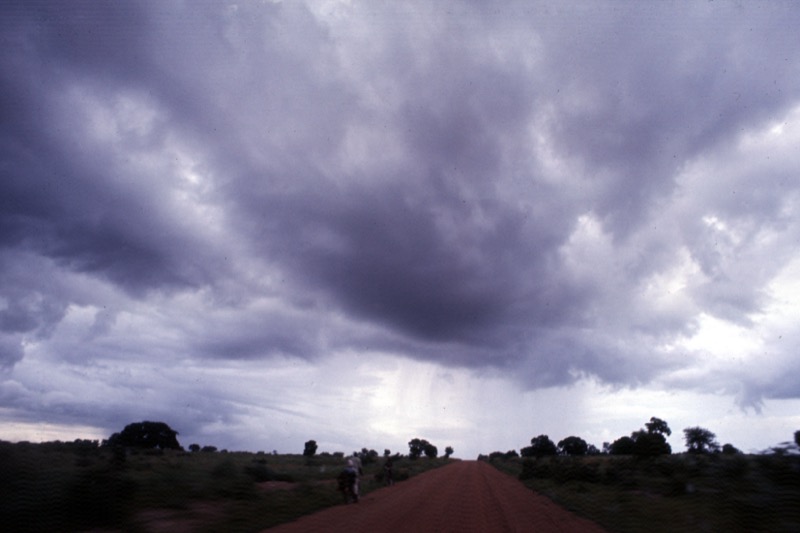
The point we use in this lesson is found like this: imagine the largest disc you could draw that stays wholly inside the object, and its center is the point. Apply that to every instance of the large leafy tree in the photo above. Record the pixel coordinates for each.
(541, 446)
(650, 444)
(647, 442)
(431, 451)
(622, 446)
(310, 448)
(146, 435)
(653, 441)
(656, 425)
(700, 440)
(573, 446)
(416, 447)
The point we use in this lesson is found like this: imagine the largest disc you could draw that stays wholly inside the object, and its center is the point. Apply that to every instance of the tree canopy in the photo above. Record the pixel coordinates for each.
(573, 446)
(650, 444)
(310, 448)
(541, 446)
(416, 447)
(656, 425)
(146, 435)
(647, 442)
(622, 446)
(700, 440)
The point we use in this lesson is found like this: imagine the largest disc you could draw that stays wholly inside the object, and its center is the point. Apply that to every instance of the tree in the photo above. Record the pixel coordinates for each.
(647, 442)
(416, 447)
(573, 446)
(146, 435)
(431, 451)
(650, 444)
(366, 456)
(797, 437)
(541, 446)
(700, 440)
(194, 447)
(310, 448)
(448, 452)
(730, 449)
(622, 446)
(656, 425)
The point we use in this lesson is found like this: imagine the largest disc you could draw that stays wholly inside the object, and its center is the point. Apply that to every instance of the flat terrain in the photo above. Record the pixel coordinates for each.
(463, 496)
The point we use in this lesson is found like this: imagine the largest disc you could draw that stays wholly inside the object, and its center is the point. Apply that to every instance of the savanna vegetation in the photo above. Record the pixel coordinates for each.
(679, 492)
(141, 479)
(86, 485)
(637, 484)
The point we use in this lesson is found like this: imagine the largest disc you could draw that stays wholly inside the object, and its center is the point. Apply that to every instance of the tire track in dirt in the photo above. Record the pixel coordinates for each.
(464, 496)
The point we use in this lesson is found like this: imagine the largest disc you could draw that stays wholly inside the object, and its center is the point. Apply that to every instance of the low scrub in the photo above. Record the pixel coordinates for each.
(71, 487)
(680, 492)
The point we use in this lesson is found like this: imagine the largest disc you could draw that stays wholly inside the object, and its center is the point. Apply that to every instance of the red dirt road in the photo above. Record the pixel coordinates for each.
(464, 496)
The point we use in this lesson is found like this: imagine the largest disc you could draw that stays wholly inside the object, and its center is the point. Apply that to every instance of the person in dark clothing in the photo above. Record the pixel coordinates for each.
(388, 474)
(348, 482)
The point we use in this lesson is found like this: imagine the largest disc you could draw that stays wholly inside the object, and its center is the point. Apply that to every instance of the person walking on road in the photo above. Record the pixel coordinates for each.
(388, 474)
(349, 480)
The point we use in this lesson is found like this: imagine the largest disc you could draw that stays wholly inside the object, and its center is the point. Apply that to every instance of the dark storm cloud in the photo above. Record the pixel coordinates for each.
(646, 89)
(422, 171)
(62, 196)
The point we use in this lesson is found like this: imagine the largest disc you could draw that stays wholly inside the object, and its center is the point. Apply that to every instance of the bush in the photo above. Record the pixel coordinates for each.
(97, 498)
(534, 468)
(310, 448)
(259, 473)
(146, 435)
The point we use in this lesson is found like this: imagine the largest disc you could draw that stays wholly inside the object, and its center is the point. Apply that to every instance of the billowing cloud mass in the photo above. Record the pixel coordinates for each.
(265, 222)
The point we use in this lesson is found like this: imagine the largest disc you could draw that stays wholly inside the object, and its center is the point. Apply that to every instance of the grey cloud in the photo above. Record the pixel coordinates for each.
(648, 90)
(448, 241)
(11, 351)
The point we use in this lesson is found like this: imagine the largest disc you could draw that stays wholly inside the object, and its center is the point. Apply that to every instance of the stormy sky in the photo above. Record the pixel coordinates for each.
(360, 222)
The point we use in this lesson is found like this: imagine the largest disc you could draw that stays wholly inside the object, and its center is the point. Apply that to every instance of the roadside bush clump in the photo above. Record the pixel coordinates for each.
(261, 473)
(577, 471)
(781, 470)
(560, 470)
(536, 468)
(85, 487)
(230, 482)
(97, 498)
(734, 467)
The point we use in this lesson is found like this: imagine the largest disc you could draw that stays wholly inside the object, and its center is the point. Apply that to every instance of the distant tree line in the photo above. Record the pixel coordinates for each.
(417, 447)
(649, 441)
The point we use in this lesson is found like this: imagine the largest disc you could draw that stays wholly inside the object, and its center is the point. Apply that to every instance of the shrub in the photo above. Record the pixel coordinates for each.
(145, 435)
(536, 469)
(310, 448)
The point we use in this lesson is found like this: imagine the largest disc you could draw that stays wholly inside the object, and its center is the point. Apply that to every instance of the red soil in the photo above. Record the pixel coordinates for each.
(464, 496)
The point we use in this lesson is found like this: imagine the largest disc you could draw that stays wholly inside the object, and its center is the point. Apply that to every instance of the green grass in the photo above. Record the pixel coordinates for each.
(671, 493)
(76, 486)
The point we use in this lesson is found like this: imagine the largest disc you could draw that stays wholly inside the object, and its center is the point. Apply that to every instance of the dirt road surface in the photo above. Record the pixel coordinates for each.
(464, 496)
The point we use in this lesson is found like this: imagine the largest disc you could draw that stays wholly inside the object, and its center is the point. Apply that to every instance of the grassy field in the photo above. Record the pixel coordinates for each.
(79, 487)
(678, 492)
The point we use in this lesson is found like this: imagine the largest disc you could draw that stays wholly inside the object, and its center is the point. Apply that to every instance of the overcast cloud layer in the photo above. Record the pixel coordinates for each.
(271, 220)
